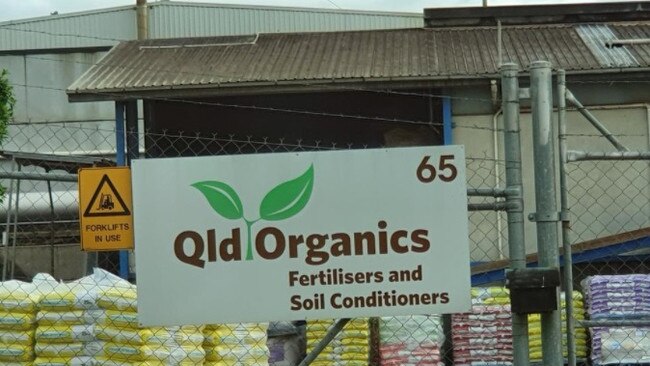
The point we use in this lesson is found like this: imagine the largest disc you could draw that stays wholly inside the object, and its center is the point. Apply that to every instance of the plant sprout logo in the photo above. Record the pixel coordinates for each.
(280, 203)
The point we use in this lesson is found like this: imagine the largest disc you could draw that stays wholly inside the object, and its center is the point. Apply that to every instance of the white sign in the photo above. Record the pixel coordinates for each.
(307, 235)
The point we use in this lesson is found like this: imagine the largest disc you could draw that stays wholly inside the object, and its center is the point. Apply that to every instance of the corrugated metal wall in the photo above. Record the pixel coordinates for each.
(87, 29)
(171, 19)
(183, 20)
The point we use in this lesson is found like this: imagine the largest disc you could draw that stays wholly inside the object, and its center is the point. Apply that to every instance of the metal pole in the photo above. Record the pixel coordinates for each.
(5, 239)
(594, 121)
(329, 336)
(132, 152)
(489, 206)
(566, 224)
(15, 237)
(516, 237)
(618, 156)
(49, 192)
(53, 177)
(545, 198)
(142, 21)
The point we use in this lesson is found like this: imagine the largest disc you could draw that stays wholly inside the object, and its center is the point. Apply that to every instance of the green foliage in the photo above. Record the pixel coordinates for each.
(7, 103)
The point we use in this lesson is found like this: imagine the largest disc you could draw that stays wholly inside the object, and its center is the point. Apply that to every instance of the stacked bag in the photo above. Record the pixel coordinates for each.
(535, 330)
(126, 343)
(236, 344)
(411, 340)
(66, 324)
(351, 347)
(483, 336)
(619, 297)
(18, 308)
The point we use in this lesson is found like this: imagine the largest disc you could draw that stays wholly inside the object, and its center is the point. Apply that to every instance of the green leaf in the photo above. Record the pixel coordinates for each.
(223, 199)
(288, 198)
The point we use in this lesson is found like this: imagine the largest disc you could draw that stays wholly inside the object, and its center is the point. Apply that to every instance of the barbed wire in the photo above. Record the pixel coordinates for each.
(73, 35)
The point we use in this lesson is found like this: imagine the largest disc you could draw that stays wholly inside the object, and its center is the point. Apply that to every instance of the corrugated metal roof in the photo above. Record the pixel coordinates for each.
(596, 37)
(301, 58)
(106, 27)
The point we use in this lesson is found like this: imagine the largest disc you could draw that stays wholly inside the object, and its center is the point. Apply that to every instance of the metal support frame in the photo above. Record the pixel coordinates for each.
(5, 238)
(514, 188)
(567, 156)
(545, 198)
(574, 156)
(52, 261)
(18, 175)
(614, 323)
(593, 120)
(566, 224)
(329, 336)
(447, 133)
(120, 139)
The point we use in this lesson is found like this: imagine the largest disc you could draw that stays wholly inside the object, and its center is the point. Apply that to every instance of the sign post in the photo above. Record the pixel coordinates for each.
(309, 235)
(105, 209)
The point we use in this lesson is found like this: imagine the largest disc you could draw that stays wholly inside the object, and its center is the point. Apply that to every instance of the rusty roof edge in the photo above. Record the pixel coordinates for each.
(537, 13)
(295, 86)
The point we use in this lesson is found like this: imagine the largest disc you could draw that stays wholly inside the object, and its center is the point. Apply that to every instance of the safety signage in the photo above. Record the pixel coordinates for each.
(310, 235)
(105, 208)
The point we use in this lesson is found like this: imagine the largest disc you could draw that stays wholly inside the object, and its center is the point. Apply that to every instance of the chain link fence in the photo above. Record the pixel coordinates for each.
(65, 313)
(609, 204)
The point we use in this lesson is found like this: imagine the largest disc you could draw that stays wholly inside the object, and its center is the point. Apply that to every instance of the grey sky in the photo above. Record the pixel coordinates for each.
(17, 9)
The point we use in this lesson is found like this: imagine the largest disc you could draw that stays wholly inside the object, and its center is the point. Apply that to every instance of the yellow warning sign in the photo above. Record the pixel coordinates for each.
(105, 208)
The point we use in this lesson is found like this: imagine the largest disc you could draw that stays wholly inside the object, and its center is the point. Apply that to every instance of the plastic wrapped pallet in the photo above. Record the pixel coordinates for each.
(581, 336)
(621, 345)
(411, 340)
(619, 297)
(66, 324)
(18, 308)
(236, 344)
(125, 343)
(483, 336)
(350, 347)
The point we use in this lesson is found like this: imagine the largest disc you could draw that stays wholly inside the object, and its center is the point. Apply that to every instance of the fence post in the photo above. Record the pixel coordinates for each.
(546, 215)
(515, 212)
(566, 226)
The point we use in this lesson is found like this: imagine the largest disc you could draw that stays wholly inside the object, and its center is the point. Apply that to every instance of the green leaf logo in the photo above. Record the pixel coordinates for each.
(288, 198)
(282, 202)
(222, 198)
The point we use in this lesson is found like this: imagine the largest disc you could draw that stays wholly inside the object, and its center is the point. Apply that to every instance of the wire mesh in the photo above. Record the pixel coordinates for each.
(64, 314)
(610, 234)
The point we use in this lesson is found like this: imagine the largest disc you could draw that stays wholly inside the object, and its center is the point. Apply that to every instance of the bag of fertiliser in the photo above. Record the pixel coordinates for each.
(236, 344)
(18, 309)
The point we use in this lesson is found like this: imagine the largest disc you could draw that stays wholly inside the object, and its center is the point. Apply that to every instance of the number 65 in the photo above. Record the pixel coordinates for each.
(426, 172)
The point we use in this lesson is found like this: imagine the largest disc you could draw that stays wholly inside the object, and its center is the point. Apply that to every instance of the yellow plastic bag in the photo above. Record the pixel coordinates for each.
(119, 319)
(71, 317)
(174, 353)
(24, 337)
(75, 361)
(121, 352)
(130, 336)
(59, 350)
(66, 334)
(183, 336)
(16, 352)
(16, 321)
(122, 298)
(18, 296)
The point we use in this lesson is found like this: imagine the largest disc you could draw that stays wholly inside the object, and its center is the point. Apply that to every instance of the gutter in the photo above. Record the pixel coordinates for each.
(314, 85)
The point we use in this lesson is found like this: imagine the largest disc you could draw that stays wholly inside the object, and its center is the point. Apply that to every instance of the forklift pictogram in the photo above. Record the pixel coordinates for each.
(106, 202)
